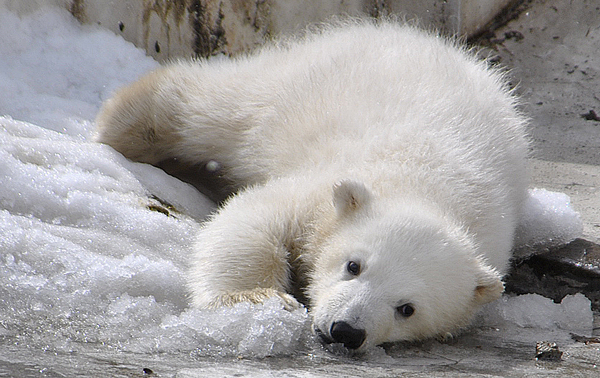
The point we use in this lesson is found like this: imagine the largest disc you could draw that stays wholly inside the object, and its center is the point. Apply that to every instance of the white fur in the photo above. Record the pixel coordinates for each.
(374, 143)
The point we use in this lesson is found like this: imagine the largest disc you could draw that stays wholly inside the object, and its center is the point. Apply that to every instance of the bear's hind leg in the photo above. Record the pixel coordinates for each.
(171, 118)
(141, 121)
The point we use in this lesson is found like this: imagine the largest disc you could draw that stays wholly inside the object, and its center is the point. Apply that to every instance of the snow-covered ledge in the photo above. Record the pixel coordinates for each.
(176, 28)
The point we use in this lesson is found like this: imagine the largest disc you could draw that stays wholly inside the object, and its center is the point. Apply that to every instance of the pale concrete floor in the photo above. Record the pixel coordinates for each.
(556, 67)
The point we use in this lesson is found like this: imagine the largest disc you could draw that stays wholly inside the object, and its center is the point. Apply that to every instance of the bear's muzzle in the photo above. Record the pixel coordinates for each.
(344, 333)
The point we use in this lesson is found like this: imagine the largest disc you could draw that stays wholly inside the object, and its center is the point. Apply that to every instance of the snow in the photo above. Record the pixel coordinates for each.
(85, 259)
(548, 219)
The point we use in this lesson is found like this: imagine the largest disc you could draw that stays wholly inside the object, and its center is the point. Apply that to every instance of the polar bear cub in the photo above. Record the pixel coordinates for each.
(378, 174)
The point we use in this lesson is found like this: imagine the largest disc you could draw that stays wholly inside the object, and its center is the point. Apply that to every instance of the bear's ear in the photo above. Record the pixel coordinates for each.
(349, 196)
(489, 284)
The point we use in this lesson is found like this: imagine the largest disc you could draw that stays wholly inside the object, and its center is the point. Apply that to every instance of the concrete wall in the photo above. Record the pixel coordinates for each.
(175, 28)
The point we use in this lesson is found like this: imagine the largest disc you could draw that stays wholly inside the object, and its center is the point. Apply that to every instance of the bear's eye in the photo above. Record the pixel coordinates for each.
(406, 310)
(353, 268)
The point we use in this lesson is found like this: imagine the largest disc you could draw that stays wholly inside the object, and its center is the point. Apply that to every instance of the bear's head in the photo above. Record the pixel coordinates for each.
(394, 271)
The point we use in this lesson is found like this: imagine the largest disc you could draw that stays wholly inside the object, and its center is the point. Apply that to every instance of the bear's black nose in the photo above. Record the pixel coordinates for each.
(352, 338)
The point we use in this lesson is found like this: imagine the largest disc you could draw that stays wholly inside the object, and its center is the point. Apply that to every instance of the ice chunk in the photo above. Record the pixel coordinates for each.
(180, 195)
(245, 329)
(534, 311)
(548, 219)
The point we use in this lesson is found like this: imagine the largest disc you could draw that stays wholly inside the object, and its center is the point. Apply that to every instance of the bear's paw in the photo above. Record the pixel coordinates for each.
(255, 296)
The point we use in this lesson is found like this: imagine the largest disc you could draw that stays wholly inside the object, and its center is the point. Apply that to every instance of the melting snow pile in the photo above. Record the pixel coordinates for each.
(88, 253)
(534, 311)
(85, 258)
(548, 219)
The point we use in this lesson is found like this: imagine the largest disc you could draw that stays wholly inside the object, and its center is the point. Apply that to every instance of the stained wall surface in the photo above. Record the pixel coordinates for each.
(182, 28)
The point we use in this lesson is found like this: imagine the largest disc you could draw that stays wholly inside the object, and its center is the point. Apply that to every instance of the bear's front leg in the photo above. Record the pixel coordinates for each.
(245, 252)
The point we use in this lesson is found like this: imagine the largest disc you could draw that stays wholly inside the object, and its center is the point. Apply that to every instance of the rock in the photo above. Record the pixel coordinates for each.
(573, 268)
(547, 351)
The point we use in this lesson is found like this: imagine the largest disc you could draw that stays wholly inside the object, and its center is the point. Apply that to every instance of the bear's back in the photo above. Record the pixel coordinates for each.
(346, 96)
(409, 113)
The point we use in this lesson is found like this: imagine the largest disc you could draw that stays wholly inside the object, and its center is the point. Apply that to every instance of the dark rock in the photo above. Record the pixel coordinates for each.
(570, 269)
(547, 351)
(585, 339)
(514, 34)
(591, 116)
